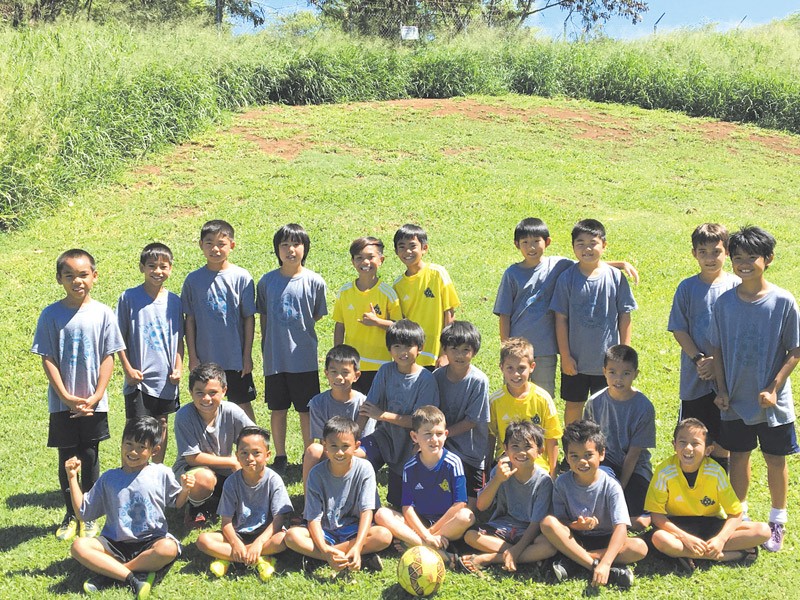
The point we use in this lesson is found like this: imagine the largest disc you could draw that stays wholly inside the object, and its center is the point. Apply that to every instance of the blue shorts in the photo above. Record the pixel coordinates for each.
(341, 535)
(506, 532)
(737, 436)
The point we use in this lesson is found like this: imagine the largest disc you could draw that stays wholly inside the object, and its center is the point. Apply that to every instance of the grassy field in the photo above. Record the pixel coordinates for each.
(466, 169)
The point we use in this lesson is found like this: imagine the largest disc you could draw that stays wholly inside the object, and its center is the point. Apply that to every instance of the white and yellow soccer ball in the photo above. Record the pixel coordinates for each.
(420, 571)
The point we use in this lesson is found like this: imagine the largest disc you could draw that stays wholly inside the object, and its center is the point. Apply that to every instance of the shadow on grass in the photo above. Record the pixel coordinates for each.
(69, 573)
(11, 537)
(52, 499)
(394, 592)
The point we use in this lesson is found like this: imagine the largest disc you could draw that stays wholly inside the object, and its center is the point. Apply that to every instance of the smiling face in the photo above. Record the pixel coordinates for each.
(340, 449)
(405, 356)
(136, 455)
(584, 460)
(710, 258)
(620, 375)
(459, 357)
(156, 271)
(588, 248)
(522, 453)
(207, 397)
(252, 453)
(368, 261)
(216, 247)
(410, 251)
(430, 437)
(77, 277)
(516, 372)
(749, 267)
(532, 249)
(691, 448)
(291, 255)
(341, 376)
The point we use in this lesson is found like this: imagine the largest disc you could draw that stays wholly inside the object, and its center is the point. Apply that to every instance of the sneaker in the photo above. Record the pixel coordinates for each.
(564, 568)
(97, 583)
(621, 577)
(68, 528)
(196, 517)
(219, 567)
(89, 529)
(279, 465)
(265, 567)
(775, 542)
(141, 584)
(372, 562)
(311, 564)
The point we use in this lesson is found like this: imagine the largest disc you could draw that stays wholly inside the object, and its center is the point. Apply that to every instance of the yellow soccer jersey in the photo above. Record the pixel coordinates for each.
(423, 299)
(712, 495)
(537, 406)
(370, 341)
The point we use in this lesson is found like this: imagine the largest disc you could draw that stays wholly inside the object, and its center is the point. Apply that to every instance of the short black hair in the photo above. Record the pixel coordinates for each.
(339, 425)
(217, 226)
(706, 233)
(752, 240)
(461, 332)
(530, 227)
(526, 431)
(621, 353)
(155, 251)
(253, 430)
(205, 372)
(692, 423)
(427, 415)
(291, 232)
(581, 432)
(405, 332)
(73, 253)
(343, 353)
(145, 430)
(410, 231)
(591, 226)
(359, 244)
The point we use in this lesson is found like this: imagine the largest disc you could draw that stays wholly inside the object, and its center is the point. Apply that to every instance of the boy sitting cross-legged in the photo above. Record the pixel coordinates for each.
(253, 507)
(134, 543)
(521, 492)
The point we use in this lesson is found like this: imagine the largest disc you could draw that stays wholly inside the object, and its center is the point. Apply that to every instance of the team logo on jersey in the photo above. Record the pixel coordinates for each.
(706, 501)
(428, 293)
(536, 420)
(377, 310)
(445, 485)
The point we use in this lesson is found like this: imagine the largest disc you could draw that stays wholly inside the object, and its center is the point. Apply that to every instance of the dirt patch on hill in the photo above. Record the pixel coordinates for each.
(287, 148)
(777, 143)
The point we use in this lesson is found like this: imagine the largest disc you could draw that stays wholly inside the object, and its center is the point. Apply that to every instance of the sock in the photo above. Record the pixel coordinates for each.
(744, 507)
(778, 515)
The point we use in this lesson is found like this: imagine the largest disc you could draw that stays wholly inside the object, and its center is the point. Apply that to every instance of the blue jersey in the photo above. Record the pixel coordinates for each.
(433, 491)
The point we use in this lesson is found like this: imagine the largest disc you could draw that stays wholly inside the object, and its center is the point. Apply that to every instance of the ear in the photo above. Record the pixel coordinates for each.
(233, 244)
(424, 248)
(709, 449)
(547, 242)
(413, 435)
(358, 375)
(141, 268)
(516, 244)
(381, 259)
(358, 444)
(768, 260)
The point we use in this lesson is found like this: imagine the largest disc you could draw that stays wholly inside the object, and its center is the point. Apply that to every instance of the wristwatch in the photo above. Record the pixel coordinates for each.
(696, 358)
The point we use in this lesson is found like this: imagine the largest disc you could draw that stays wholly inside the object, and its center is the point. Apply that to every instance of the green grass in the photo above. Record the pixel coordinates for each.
(467, 170)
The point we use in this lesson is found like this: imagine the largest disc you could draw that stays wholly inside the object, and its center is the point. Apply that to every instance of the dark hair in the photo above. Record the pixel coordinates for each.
(691, 423)
(339, 425)
(73, 253)
(343, 353)
(461, 332)
(409, 232)
(145, 430)
(405, 332)
(530, 227)
(752, 240)
(621, 353)
(709, 233)
(581, 432)
(591, 226)
(427, 415)
(205, 372)
(291, 233)
(155, 251)
(362, 242)
(517, 347)
(253, 430)
(217, 226)
(526, 431)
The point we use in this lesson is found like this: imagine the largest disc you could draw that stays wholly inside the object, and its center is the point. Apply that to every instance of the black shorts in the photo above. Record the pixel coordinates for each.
(592, 542)
(364, 382)
(125, 552)
(138, 404)
(703, 527)
(283, 390)
(476, 479)
(704, 409)
(635, 492)
(510, 535)
(248, 537)
(577, 388)
(737, 436)
(241, 389)
(65, 432)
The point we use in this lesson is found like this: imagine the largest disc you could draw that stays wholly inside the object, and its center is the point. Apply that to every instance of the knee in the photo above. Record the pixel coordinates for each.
(314, 452)
(203, 541)
(382, 535)
(549, 523)
(78, 548)
(383, 516)
(294, 536)
(637, 548)
(205, 480)
(466, 516)
(471, 536)
(774, 461)
(166, 548)
(661, 539)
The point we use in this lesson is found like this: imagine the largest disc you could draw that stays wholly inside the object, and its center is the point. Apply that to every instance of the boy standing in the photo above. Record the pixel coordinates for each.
(77, 338)
(364, 310)
(151, 321)
(689, 320)
(219, 303)
(755, 335)
(426, 292)
(134, 540)
(592, 304)
(291, 299)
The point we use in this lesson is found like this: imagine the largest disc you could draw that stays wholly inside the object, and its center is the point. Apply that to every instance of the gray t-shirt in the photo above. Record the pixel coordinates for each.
(291, 306)
(192, 436)
(525, 294)
(219, 301)
(133, 503)
(625, 424)
(401, 394)
(691, 312)
(519, 504)
(77, 340)
(152, 330)
(251, 508)
(339, 501)
(592, 306)
(467, 399)
(755, 338)
(323, 406)
(602, 499)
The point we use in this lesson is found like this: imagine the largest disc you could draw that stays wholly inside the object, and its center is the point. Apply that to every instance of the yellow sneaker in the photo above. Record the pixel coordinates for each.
(68, 528)
(219, 567)
(265, 567)
(89, 529)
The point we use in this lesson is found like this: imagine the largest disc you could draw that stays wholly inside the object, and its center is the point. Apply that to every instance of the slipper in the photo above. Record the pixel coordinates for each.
(399, 546)
(465, 565)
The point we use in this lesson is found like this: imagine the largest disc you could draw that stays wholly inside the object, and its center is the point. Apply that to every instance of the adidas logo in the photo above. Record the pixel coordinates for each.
(351, 307)
(406, 297)
(428, 293)
(419, 487)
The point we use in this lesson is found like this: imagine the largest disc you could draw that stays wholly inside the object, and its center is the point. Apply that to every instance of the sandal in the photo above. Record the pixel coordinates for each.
(465, 565)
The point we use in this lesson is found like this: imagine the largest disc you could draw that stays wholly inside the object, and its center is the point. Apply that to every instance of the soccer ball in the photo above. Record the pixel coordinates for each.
(420, 571)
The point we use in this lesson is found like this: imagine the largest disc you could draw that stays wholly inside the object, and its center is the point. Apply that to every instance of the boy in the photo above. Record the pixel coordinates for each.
(521, 492)
(589, 524)
(253, 507)
(520, 399)
(695, 510)
(524, 295)
(400, 387)
(464, 400)
(219, 303)
(134, 543)
(205, 431)
(689, 321)
(755, 337)
(151, 321)
(592, 303)
(342, 399)
(427, 294)
(628, 421)
(364, 310)
(291, 299)
(77, 338)
(434, 490)
(341, 497)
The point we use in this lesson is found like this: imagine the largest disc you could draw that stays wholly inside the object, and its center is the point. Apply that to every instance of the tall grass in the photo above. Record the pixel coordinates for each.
(79, 101)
